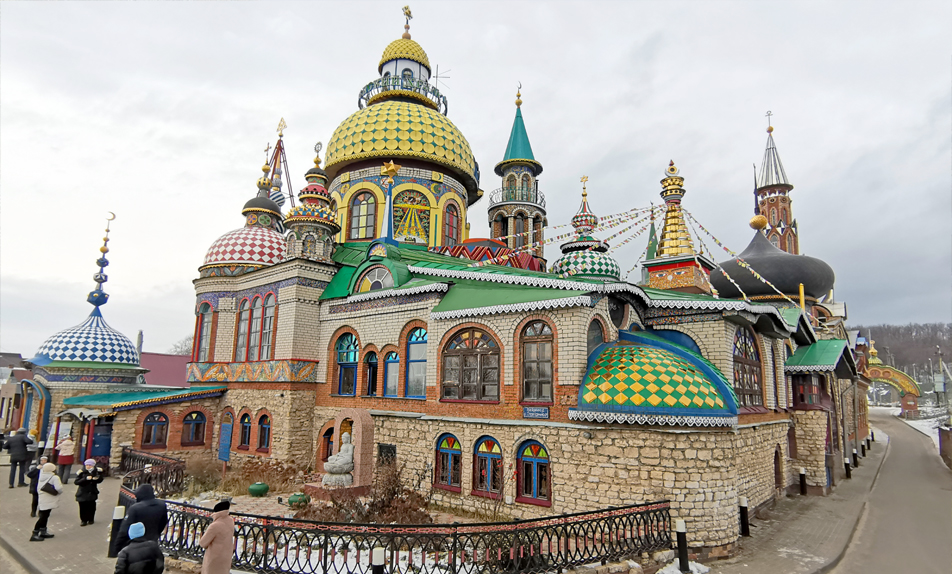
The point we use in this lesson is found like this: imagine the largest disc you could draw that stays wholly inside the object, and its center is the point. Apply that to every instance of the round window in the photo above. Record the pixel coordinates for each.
(616, 310)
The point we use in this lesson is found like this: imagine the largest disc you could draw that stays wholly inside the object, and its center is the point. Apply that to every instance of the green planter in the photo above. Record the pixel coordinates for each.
(258, 489)
(298, 500)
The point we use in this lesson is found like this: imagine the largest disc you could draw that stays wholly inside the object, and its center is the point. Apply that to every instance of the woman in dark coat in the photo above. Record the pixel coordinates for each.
(87, 491)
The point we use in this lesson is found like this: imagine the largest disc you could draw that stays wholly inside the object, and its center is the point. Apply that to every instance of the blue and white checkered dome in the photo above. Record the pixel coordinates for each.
(91, 341)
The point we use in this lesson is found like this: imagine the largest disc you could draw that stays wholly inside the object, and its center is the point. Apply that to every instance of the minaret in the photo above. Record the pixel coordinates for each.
(517, 209)
(773, 201)
(676, 266)
(312, 225)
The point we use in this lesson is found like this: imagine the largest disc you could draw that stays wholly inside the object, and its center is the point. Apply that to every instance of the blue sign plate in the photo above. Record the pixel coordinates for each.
(535, 412)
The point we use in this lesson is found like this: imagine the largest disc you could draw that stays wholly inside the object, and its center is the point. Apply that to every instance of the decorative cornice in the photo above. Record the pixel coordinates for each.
(398, 292)
(808, 368)
(553, 283)
(579, 301)
(651, 419)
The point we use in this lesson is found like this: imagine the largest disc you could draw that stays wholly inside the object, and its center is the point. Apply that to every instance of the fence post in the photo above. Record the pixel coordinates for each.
(846, 463)
(118, 514)
(803, 481)
(682, 545)
(453, 567)
(377, 560)
(744, 522)
(324, 552)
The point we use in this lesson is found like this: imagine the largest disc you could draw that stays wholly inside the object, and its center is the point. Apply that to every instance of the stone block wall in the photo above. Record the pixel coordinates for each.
(290, 408)
(754, 451)
(127, 429)
(810, 427)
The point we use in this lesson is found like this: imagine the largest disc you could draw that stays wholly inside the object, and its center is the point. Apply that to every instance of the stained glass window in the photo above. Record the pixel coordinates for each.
(747, 369)
(374, 279)
(416, 363)
(363, 220)
(488, 466)
(451, 225)
(533, 470)
(471, 366)
(244, 438)
(347, 364)
(193, 429)
(155, 429)
(448, 461)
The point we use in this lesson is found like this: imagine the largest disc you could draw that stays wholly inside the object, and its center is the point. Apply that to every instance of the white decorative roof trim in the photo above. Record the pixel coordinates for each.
(556, 283)
(651, 419)
(808, 368)
(579, 301)
(433, 287)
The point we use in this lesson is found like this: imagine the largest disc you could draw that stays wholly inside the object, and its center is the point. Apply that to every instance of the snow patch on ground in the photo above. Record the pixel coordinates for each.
(928, 427)
(673, 568)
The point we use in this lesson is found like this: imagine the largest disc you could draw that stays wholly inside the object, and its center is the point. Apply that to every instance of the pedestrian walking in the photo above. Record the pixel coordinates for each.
(87, 491)
(141, 556)
(152, 513)
(33, 447)
(34, 475)
(18, 456)
(50, 488)
(219, 541)
(64, 458)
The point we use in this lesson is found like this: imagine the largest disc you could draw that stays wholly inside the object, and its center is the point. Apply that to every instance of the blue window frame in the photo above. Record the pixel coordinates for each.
(371, 361)
(487, 470)
(155, 430)
(244, 438)
(193, 429)
(391, 373)
(264, 432)
(347, 364)
(448, 462)
(416, 364)
(533, 472)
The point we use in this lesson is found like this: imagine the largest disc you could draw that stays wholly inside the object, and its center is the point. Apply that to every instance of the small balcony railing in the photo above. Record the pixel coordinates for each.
(415, 85)
(519, 194)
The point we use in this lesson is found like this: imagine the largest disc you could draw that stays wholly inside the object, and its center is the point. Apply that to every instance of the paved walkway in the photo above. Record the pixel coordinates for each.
(805, 535)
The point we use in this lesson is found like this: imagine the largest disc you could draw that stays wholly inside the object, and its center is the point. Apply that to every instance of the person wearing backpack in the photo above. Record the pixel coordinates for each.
(49, 489)
(141, 556)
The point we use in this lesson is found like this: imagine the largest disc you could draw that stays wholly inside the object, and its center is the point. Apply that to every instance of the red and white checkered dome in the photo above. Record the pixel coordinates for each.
(253, 245)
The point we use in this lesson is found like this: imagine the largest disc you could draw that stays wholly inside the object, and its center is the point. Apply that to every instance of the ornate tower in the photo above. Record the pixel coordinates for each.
(676, 265)
(517, 209)
(312, 225)
(773, 201)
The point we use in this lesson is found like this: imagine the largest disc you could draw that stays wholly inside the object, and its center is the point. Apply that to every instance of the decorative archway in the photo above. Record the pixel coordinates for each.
(362, 437)
(909, 391)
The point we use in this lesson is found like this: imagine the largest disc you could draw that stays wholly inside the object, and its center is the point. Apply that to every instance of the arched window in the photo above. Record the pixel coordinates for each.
(371, 361)
(791, 244)
(264, 432)
(241, 341)
(791, 443)
(391, 375)
(451, 225)
(155, 430)
(347, 364)
(448, 463)
(327, 444)
(537, 362)
(204, 337)
(532, 466)
(244, 435)
(471, 367)
(526, 186)
(363, 220)
(747, 369)
(193, 429)
(267, 328)
(407, 74)
(616, 311)
(511, 183)
(416, 363)
(783, 215)
(254, 330)
(775, 240)
(374, 279)
(520, 238)
(596, 335)
(773, 216)
(777, 375)
(487, 468)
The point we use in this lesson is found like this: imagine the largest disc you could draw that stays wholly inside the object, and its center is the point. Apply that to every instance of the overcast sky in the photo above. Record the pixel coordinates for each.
(160, 112)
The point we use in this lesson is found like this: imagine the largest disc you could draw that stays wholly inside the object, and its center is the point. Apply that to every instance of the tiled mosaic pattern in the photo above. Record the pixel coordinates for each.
(249, 245)
(588, 264)
(635, 375)
(92, 340)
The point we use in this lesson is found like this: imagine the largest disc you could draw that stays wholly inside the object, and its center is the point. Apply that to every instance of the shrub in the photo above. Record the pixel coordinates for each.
(201, 475)
(282, 477)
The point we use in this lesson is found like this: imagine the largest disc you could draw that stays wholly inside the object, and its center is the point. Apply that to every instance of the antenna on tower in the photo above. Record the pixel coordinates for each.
(438, 79)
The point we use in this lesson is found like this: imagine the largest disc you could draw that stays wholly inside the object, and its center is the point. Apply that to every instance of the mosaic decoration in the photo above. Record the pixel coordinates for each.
(289, 370)
(256, 245)
(406, 49)
(74, 378)
(213, 298)
(375, 279)
(633, 380)
(489, 446)
(588, 264)
(484, 253)
(411, 209)
(436, 182)
(90, 341)
(401, 129)
(580, 301)
(378, 250)
(385, 301)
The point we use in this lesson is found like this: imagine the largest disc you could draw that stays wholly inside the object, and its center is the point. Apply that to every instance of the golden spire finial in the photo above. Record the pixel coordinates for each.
(519, 96)
(281, 127)
(758, 222)
(584, 190)
(317, 150)
(769, 127)
(406, 27)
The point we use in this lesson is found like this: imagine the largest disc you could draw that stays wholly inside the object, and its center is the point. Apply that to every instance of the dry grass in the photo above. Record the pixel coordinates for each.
(281, 477)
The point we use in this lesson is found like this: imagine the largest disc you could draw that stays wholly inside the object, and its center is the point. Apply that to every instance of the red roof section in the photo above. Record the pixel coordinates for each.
(165, 370)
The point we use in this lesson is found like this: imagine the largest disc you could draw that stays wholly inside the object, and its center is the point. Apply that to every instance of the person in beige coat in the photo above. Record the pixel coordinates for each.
(46, 501)
(219, 541)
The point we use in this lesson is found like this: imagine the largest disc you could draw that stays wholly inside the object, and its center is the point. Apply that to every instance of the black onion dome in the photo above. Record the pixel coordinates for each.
(316, 171)
(786, 271)
(261, 204)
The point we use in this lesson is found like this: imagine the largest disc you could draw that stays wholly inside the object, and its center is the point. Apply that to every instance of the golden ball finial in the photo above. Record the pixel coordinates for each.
(758, 222)
(518, 99)
(406, 33)
(769, 129)
(265, 168)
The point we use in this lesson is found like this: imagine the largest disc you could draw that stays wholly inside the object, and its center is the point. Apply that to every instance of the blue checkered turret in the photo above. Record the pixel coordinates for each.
(90, 341)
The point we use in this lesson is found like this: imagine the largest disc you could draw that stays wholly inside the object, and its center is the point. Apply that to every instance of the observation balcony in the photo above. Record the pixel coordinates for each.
(518, 194)
(408, 87)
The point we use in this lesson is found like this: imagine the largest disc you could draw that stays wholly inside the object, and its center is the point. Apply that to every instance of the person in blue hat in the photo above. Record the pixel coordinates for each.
(141, 556)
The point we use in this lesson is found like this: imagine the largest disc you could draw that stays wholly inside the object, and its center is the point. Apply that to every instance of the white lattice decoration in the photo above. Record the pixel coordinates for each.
(651, 419)
(580, 301)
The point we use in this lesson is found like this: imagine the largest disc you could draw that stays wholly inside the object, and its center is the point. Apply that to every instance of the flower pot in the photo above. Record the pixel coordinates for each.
(298, 500)
(258, 489)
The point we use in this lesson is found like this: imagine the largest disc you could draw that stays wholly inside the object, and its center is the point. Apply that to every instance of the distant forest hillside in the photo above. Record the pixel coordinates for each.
(905, 345)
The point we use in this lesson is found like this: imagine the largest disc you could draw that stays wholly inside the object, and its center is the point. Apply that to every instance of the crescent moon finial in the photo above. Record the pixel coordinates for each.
(110, 218)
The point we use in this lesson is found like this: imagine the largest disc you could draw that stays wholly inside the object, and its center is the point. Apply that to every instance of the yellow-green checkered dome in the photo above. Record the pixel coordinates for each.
(639, 383)
(398, 129)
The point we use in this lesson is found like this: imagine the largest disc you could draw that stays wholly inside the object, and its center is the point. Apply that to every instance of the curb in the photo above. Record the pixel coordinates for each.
(20, 558)
(839, 557)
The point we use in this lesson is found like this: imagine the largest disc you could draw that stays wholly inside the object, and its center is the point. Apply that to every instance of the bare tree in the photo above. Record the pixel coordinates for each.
(183, 347)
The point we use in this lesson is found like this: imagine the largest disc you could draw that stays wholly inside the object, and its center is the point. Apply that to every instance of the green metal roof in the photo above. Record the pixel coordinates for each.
(652, 251)
(519, 147)
(135, 398)
(474, 294)
(822, 355)
(791, 315)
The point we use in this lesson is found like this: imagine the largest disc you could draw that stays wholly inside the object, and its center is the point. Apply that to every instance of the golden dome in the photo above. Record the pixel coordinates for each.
(758, 222)
(394, 129)
(404, 48)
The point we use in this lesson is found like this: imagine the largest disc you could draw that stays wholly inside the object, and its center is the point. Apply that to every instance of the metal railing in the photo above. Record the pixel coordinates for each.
(415, 85)
(518, 194)
(164, 473)
(276, 545)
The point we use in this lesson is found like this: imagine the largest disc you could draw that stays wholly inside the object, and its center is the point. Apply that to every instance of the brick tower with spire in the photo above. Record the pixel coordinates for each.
(773, 200)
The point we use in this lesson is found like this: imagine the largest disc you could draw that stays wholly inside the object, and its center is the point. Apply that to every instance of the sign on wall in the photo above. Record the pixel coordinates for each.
(535, 412)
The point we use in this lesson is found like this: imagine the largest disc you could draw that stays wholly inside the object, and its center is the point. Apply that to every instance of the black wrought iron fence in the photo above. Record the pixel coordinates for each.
(164, 473)
(275, 545)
